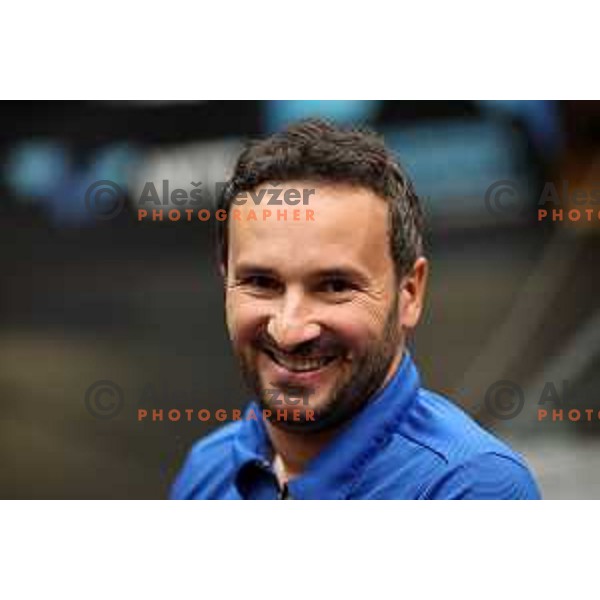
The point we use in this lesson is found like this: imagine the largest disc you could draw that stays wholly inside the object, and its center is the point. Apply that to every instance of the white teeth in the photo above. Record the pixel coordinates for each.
(301, 364)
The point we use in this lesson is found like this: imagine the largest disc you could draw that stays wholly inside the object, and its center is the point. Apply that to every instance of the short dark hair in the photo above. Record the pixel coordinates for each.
(319, 151)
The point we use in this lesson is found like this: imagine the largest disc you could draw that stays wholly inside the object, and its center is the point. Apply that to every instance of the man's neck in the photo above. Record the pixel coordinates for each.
(296, 450)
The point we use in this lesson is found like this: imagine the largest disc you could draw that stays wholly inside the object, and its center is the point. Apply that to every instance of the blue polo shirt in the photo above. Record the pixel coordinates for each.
(406, 443)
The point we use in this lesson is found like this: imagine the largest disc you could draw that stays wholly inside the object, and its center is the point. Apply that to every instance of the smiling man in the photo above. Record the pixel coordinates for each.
(321, 310)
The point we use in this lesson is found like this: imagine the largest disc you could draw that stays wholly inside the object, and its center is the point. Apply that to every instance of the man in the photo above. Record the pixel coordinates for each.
(320, 310)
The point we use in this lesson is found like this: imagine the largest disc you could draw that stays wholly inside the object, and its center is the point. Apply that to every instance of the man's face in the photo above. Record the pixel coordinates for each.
(313, 307)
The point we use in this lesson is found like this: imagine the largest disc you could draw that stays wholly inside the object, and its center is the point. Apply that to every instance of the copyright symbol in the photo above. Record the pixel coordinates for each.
(504, 400)
(104, 399)
(504, 198)
(104, 199)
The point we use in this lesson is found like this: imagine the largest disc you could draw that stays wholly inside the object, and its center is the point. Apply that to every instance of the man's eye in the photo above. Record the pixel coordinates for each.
(336, 286)
(261, 282)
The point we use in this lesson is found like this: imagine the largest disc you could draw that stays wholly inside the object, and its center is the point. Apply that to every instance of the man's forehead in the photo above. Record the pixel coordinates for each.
(349, 226)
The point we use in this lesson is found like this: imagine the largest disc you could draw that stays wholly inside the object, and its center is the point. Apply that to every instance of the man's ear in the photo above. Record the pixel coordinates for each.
(412, 293)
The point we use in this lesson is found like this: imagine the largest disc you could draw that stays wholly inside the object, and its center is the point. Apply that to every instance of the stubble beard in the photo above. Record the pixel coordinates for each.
(348, 397)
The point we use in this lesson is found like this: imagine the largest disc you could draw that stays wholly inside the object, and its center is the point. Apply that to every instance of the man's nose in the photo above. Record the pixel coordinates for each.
(293, 323)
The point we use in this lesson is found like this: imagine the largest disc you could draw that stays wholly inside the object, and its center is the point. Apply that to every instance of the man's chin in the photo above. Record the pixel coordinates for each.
(298, 409)
(284, 397)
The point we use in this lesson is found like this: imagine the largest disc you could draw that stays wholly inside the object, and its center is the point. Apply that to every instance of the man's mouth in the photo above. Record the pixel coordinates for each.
(299, 364)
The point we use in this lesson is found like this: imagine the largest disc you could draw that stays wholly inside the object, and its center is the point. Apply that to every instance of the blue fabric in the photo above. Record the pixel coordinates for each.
(407, 443)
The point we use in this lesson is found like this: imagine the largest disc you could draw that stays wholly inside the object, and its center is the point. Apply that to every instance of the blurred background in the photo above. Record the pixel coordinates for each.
(86, 299)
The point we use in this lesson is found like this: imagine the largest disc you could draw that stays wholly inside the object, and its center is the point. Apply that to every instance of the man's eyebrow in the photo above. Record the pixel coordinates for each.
(349, 273)
(245, 269)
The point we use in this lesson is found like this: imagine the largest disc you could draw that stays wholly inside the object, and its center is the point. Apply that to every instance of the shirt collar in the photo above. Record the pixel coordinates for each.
(334, 471)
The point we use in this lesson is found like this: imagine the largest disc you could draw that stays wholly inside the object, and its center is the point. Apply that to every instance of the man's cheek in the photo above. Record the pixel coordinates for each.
(352, 333)
(243, 325)
(232, 327)
(234, 315)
